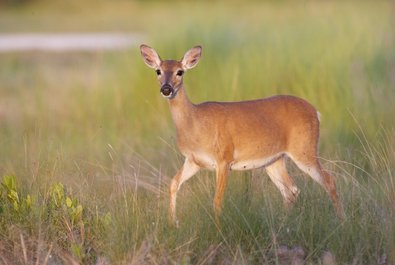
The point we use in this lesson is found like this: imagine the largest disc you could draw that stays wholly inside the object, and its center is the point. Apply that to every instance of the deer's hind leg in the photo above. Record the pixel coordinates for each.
(278, 173)
(304, 154)
(303, 151)
(327, 181)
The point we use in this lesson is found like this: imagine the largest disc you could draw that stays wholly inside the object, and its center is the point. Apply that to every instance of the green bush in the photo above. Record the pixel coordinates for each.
(68, 225)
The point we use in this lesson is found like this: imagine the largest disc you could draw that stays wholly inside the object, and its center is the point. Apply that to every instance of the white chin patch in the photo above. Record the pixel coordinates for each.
(168, 96)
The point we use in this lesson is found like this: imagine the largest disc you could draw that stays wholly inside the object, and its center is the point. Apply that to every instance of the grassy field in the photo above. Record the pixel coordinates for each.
(87, 145)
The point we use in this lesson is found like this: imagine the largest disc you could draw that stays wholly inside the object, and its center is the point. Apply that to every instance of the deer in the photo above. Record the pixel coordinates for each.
(244, 135)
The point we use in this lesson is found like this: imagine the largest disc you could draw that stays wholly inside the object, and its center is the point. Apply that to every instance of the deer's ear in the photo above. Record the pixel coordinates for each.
(191, 57)
(150, 56)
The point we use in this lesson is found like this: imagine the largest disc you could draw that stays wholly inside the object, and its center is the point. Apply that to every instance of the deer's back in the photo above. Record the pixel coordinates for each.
(277, 112)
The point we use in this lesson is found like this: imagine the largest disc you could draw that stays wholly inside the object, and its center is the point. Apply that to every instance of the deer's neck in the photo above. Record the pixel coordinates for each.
(182, 110)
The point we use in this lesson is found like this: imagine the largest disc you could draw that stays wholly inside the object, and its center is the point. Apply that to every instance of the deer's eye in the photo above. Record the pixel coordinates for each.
(180, 72)
(158, 72)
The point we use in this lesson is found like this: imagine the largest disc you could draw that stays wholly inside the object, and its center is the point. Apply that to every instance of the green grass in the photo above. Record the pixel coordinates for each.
(96, 123)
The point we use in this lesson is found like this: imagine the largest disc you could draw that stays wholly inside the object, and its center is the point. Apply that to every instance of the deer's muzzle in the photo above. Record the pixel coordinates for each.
(166, 90)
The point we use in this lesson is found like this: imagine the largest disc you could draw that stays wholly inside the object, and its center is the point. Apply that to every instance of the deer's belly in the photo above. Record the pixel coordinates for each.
(248, 164)
(206, 161)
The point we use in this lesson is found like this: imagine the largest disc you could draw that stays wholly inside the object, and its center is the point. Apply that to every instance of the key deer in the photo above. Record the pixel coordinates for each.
(225, 136)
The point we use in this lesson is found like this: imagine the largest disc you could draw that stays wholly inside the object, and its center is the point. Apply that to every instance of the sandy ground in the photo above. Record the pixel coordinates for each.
(67, 42)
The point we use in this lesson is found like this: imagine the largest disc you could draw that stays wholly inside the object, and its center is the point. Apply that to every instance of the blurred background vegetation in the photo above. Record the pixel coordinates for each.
(96, 122)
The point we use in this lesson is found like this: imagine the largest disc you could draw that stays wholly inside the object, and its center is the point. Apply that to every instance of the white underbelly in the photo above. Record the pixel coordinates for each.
(205, 160)
(253, 163)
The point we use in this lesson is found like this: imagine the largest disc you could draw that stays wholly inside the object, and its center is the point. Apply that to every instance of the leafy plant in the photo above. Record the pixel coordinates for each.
(16, 202)
(69, 207)
(70, 227)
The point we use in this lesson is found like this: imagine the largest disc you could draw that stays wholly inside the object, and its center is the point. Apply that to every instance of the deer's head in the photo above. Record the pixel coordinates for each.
(170, 72)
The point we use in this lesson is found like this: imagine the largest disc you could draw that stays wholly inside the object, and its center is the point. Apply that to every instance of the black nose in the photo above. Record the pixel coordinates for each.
(166, 90)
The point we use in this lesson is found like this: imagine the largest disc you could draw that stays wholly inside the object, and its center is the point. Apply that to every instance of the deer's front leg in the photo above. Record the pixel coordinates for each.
(184, 173)
(222, 172)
